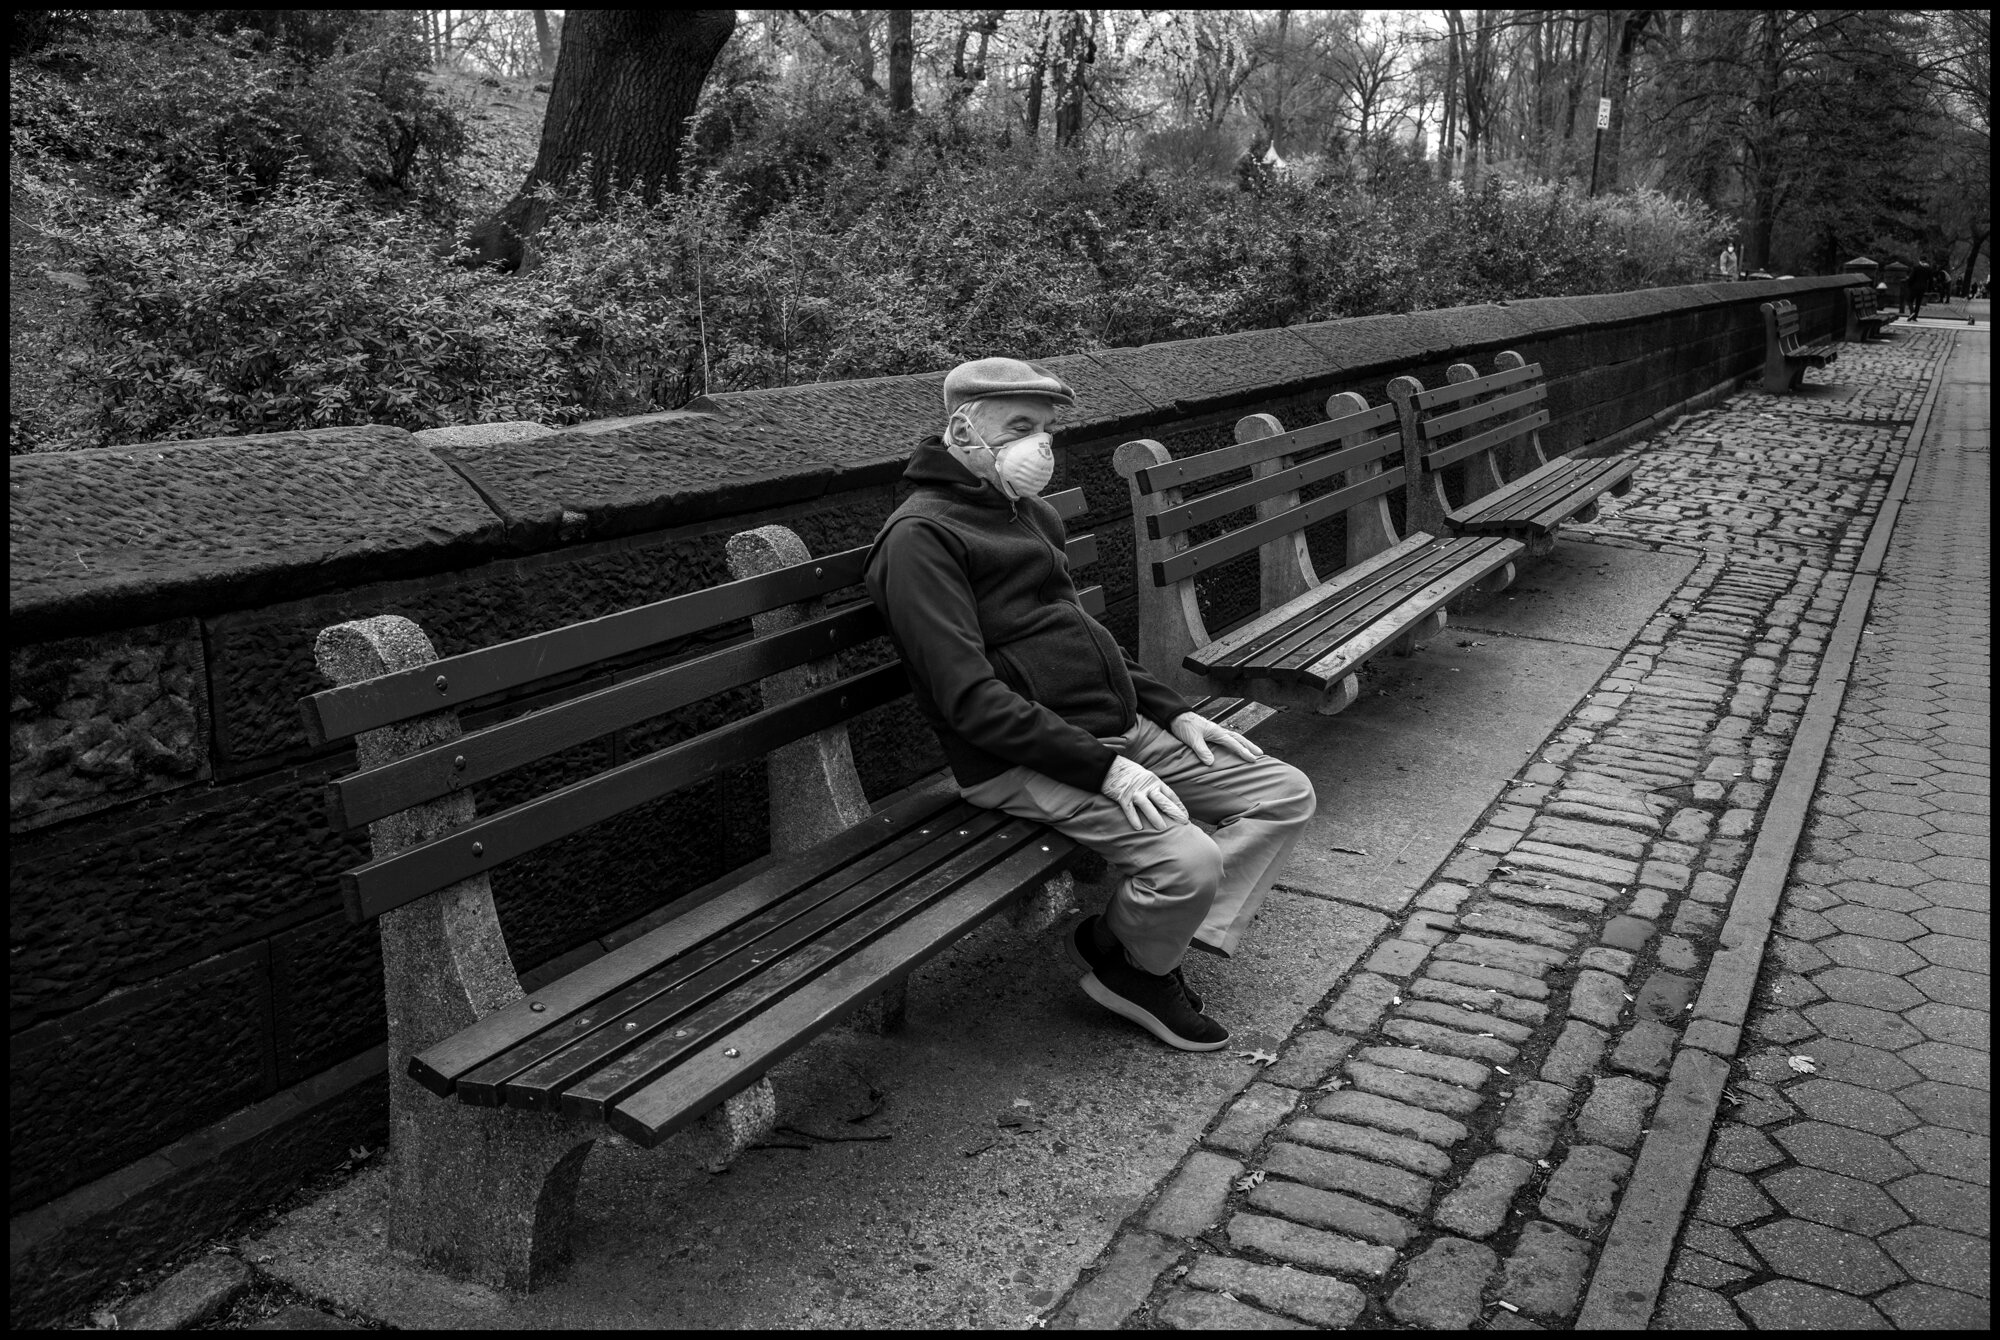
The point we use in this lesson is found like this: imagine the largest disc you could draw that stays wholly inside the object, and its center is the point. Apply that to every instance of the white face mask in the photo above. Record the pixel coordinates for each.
(1023, 466)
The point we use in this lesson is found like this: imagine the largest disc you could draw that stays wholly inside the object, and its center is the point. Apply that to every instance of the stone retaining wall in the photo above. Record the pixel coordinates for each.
(178, 952)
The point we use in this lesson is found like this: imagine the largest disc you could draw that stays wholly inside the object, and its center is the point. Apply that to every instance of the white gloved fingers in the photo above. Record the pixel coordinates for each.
(1169, 805)
(1194, 741)
(1143, 802)
(1239, 744)
(1131, 813)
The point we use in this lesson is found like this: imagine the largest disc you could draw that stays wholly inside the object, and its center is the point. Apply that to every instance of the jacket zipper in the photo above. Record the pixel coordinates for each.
(1054, 559)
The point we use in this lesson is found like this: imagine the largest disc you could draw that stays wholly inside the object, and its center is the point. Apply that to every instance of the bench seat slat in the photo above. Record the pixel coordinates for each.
(1303, 654)
(1441, 457)
(1344, 606)
(706, 912)
(588, 1098)
(1561, 487)
(427, 774)
(391, 881)
(1198, 558)
(1474, 563)
(1210, 506)
(1271, 623)
(1207, 464)
(681, 994)
(672, 1101)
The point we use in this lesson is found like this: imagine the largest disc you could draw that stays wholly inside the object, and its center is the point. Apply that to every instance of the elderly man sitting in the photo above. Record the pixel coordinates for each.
(1042, 715)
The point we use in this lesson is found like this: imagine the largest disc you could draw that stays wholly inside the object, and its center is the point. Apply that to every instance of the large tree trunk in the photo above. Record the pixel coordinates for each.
(1075, 53)
(902, 87)
(1621, 88)
(1037, 80)
(626, 82)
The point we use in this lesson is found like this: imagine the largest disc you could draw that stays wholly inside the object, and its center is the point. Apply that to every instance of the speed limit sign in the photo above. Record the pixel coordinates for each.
(1604, 113)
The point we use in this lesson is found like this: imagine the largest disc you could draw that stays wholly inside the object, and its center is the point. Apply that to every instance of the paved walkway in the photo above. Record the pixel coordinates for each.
(1446, 1142)
(1849, 1185)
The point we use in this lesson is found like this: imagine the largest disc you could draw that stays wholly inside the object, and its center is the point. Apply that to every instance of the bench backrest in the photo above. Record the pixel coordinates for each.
(797, 625)
(1471, 423)
(1356, 442)
(1781, 323)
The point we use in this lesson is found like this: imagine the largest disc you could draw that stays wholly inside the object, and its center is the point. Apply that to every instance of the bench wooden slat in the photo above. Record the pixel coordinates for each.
(705, 912)
(588, 1098)
(1080, 551)
(389, 882)
(1461, 418)
(1210, 506)
(1091, 598)
(732, 1062)
(1207, 464)
(1493, 381)
(680, 994)
(827, 871)
(333, 713)
(1563, 485)
(1201, 557)
(363, 797)
(1233, 645)
(1342, 600)
(1069, 504)
(1473, 559)
(1441, 457)
(1295, 656)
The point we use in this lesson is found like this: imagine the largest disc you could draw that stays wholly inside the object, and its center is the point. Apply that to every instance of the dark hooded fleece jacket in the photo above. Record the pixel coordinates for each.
(1003, 661)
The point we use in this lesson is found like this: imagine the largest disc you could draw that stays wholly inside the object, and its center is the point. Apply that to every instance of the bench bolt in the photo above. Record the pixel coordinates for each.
(440, 684)
(478, 849)
(731, 1052)
(459, 762)
(537, 1006)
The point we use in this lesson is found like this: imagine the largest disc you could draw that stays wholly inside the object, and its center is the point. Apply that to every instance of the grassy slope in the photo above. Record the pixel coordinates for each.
(45, 298)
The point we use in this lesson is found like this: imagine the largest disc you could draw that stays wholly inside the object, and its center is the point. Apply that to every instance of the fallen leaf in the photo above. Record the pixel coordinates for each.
(1803, 1064)
(1246, 1182)
(105, 1321)
(1543, 1163)
(1259, 1057)
(1351, 851)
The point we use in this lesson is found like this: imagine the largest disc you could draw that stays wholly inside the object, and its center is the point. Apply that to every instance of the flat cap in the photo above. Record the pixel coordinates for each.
(1002, 376)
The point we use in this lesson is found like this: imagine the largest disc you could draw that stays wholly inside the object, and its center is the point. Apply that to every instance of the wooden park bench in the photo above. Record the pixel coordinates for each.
(1865, 318)
(1310, 635)
(1786, 357)
(1471, 423)
(496, 1092)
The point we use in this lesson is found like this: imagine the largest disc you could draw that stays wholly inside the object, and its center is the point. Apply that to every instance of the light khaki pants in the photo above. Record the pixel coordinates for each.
(1181, 884)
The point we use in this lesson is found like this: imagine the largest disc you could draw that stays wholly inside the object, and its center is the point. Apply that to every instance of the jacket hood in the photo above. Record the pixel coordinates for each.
(933, 466)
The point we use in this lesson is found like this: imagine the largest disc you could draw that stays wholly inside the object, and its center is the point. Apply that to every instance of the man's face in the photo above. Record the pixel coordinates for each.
(1000, 419)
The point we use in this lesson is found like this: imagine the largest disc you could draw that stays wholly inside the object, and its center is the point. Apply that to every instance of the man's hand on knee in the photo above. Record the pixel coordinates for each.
(1198, 733)
(1147, 801)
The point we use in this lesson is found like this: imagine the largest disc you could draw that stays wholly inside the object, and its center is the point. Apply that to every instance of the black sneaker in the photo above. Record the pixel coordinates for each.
(1158, 1004)
(1083, 951)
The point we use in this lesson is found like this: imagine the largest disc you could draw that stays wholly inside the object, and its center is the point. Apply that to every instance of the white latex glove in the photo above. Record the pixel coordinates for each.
(1138, 792)
(1196, 732)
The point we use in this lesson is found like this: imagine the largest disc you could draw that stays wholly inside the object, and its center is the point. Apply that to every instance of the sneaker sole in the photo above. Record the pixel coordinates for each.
(1145, 1018)
(1084, 965)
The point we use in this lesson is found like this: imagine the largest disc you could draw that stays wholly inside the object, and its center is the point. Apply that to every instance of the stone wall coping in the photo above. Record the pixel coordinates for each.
(118, 536)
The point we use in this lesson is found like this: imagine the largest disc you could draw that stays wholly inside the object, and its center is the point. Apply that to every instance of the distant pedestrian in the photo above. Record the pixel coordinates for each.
(1727, 261)
(1919, 285)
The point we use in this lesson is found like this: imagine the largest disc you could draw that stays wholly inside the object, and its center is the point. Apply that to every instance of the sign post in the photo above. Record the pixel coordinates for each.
(1603, 124)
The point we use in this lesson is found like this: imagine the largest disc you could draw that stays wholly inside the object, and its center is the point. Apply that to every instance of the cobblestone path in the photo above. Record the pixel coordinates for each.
(1855, 1194)
(1444, 1142)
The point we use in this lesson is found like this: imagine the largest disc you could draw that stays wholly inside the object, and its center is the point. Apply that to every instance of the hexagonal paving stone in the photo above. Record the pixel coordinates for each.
(1836, 1201)
(1782, 1026)
(1818, 1144)
(1730, 1199)
(1945, 1202)
(1858, 986)
(1959, 1154)
(1963, 921)
(1939, 1256)
(1859, 951)
(1953, 1065)
(1962, 803)
(1972, 846)
(1892, 825)
(1925, 1307)
(1954, 1024)
(1790, 1305)
(1953, 1105)
(1948, 821)
(1961, 868)
(1859, 1023)
(1790, 989)
(1802, 1250)
(1851, 1106)
(1882, 764)
(1870, 1067)
(1875, 922)
(1951, 986)
(1955, 893)
(1884, 847)
(1803, 925)
(1743, 1149)
(1953, 951)
(1796, 955)
(1879, 895)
